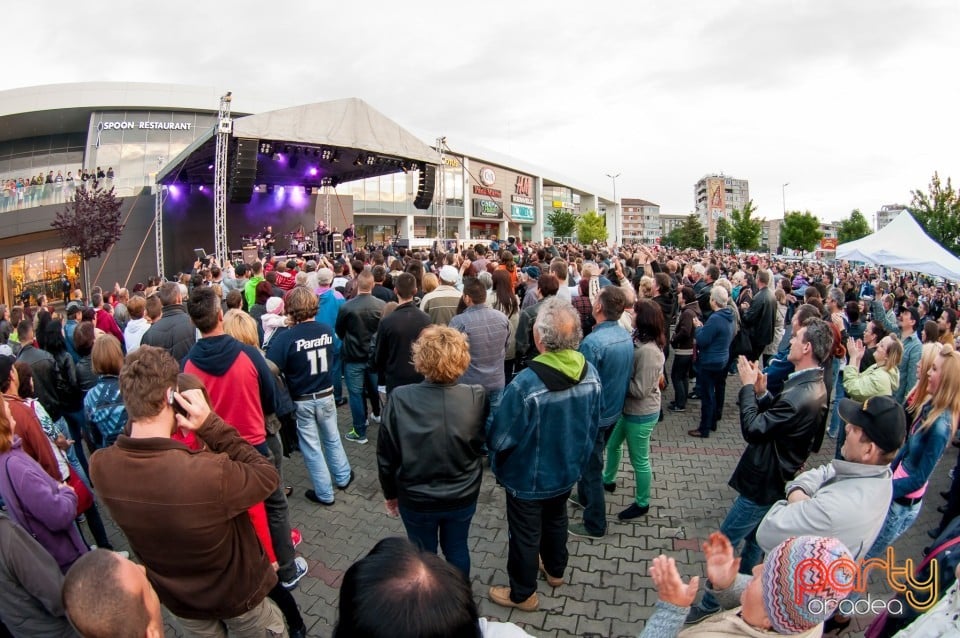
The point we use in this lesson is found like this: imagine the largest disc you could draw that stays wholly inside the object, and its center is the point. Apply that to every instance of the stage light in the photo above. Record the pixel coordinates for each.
(174, 190)
(328, 155)
(358, 161)
(286, 148)
(294, 159)
(316, 152)
(266, 148)
(371, 160)
(313, 170)
(200, 188)
(280, 190)
(209, 167)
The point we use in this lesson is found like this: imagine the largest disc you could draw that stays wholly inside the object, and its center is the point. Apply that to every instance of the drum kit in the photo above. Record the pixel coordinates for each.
(300, 242)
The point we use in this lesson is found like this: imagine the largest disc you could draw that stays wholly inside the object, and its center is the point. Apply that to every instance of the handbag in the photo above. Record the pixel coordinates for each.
(84, 495)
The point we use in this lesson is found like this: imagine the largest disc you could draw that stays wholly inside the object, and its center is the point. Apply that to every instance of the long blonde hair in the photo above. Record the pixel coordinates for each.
(918, 395)
(947, 396)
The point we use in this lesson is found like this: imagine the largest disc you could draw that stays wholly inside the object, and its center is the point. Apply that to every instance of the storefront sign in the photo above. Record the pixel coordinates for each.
(558, 204)
(522, 186)
(486, 208)
(487, 192)
(151, 125)
(520, 199)
(487, 176)
(521, 213)
(452, 162)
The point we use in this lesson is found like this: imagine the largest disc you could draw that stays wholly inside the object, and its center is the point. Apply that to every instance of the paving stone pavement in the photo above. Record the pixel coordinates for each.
(609, 592)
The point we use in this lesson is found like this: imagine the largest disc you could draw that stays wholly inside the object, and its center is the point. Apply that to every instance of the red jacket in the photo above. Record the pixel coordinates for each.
(106, 322)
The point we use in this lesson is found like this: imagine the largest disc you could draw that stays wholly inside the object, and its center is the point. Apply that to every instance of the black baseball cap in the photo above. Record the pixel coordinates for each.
(881, 418)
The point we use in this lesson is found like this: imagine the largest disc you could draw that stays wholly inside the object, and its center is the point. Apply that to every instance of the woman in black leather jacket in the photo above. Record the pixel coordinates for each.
(430, 445)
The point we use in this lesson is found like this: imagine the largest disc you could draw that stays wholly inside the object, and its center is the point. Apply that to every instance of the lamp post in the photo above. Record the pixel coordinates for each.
(616, 210)
(783, 190)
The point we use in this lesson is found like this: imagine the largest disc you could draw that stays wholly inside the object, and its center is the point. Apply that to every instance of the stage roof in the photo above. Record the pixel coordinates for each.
(338, 141)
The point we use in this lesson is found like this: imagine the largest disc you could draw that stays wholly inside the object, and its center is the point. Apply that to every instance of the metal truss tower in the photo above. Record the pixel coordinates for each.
(224, 130)
(440, 198)
(158, 225)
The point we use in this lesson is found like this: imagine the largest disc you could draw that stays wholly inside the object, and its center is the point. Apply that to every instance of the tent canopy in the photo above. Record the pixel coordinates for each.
(903, 244)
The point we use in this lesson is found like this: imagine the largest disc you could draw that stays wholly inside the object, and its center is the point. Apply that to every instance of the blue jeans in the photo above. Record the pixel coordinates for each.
(321, 446)
(713, 385)
(336, 376)
(838, 394)
(453, 528)
(590, 486)
(899, 519)
(741, 524)
(358, 379)
(493, 404)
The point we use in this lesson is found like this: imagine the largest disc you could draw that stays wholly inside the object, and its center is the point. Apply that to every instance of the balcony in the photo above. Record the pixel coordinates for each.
(19, 198)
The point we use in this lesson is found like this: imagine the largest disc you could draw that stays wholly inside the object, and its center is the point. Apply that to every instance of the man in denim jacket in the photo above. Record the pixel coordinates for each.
(539, 441)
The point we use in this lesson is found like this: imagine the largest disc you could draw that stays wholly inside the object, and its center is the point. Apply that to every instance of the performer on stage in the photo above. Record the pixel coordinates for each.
(269, 241)
(323, 235)
(348, 236)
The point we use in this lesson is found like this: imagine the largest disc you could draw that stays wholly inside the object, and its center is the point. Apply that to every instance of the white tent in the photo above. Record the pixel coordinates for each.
(903, 244)
(349, 123)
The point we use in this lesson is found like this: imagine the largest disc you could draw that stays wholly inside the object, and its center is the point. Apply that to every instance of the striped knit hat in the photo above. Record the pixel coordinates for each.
(803, 580)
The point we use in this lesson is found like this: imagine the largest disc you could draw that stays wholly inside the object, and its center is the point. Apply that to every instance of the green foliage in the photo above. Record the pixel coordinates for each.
(853, 227)
(745, 229)
(690, 234)
(723, 233)
(938, 211)
(591, 227)
(564, 222)
(800, 231)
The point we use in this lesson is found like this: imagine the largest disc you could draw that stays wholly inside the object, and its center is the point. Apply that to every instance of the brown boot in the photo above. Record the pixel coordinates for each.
(501, 596)
(553, 581)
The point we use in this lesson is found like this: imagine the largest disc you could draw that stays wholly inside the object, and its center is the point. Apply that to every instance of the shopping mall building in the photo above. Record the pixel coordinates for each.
(144, 133)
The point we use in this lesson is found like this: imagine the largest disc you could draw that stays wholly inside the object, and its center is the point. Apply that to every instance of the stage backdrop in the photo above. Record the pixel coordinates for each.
(188, 221)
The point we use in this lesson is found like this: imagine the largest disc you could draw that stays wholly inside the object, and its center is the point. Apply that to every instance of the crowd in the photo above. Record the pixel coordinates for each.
(23, 192)
(176, 404)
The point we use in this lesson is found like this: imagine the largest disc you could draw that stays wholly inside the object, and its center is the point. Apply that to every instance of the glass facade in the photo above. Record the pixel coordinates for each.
(136, 144)
(393, 195)
(29, 160)
(39, 273)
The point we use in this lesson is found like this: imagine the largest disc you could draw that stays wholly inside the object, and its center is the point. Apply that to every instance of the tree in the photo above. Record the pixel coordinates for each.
(938, 211)
(564, 222)
(853, 227)
(89, 225)
(591, 227)
(723, 233)
(690, 234)
(800, 231)
(746, 230)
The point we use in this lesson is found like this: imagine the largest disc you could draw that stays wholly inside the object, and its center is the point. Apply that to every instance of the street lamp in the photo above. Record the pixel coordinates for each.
(616, 210)
(783, 190)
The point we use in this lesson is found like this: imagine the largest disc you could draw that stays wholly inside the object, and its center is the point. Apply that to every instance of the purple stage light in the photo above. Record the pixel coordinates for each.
(209, 167)
(297, 194)
(313, 170)
(174, 190)
(201, 188)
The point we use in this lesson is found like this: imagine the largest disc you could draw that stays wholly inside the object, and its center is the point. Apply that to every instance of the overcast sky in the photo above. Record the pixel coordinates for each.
(853, 103)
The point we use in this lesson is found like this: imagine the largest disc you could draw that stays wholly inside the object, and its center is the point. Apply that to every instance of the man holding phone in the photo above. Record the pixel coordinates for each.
(185, 512)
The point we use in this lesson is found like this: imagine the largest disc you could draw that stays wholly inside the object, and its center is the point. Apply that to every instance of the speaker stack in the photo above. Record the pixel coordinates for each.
(428, 181)
(243, 172)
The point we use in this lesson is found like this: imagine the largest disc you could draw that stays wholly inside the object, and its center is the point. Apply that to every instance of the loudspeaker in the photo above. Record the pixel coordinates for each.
(250, 255)
(428, 181)
(243, 172)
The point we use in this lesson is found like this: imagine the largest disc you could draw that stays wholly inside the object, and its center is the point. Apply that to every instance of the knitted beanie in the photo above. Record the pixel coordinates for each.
(803, 580)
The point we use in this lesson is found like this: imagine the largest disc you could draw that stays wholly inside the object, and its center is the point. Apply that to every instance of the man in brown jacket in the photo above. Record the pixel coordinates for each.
(184, 511)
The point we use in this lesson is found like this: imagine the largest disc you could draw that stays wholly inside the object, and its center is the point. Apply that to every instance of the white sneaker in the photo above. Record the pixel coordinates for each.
(373, 419)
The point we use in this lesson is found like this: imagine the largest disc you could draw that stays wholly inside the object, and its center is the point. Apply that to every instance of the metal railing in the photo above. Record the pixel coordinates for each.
(23, 197)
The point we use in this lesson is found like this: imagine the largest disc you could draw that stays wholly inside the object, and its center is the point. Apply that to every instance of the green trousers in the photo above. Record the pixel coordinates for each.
(636, 430)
